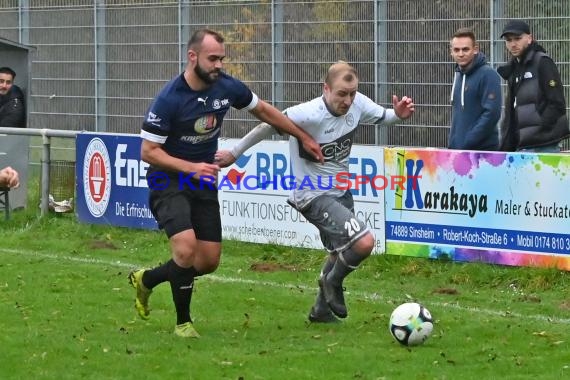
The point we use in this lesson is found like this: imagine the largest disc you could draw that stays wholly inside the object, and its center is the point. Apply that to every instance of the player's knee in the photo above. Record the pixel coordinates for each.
(365, 245)
(184, 256)
(207, 263)
(207, 259)
(208, 267)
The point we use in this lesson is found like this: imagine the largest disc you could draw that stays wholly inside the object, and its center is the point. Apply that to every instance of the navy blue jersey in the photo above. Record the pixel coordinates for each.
(188, 122)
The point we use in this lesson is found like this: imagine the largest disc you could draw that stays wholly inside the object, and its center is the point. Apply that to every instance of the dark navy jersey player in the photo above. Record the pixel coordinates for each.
(179, 138)
(188, 123)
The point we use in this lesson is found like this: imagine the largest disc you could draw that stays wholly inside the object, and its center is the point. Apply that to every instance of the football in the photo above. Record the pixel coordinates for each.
(411, 324)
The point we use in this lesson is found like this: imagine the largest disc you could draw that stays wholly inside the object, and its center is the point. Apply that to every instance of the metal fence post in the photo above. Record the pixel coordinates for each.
(497, 53)
(44, 205)
(380, 67)
(24, 23)
(184, 10)
(100, 69)
(277, 55)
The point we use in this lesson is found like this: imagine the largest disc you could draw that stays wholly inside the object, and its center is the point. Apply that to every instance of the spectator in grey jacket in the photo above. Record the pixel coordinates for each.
(12, 106)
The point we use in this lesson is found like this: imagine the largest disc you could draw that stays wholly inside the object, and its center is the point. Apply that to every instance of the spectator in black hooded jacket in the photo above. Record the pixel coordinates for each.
(535, 109)
(12, 106)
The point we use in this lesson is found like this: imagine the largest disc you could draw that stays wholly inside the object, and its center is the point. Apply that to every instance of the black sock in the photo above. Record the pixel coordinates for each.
(346, 262)
(320, 303)
(157, 275)
(352, 259)
(181, 284)
(328, 265)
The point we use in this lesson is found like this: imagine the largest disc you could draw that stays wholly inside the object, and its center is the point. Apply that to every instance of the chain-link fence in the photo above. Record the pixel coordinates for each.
(98, 63)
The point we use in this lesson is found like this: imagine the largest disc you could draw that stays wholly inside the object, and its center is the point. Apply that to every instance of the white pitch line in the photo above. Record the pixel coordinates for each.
(372, 297)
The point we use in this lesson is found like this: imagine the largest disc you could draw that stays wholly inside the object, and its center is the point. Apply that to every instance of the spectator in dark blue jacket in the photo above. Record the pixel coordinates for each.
(475, 96)
(12, 106)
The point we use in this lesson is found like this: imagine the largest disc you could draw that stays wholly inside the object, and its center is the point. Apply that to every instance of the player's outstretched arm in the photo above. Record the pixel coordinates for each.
(271, 115)
(153, 153)
(261, 131)
(403, 108)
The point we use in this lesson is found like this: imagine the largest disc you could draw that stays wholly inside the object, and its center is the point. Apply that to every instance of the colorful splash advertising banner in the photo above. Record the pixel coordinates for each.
(254, 191)
(494, 207)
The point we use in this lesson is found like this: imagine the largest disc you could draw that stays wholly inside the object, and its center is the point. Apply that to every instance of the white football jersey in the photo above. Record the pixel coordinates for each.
(335, 135)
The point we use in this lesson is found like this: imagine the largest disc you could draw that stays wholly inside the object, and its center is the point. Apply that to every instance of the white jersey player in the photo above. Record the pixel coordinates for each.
(331, 120)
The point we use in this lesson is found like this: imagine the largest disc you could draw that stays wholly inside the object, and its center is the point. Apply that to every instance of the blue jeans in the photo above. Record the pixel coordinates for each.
(554, 148)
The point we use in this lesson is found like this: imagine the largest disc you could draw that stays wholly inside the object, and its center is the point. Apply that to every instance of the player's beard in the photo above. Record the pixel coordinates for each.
(205, 76)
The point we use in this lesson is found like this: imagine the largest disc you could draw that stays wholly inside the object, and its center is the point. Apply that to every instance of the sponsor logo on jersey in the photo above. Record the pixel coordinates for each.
(205, 124)
(200, 138)
(217, 104)
(336, 150)
(153, 119)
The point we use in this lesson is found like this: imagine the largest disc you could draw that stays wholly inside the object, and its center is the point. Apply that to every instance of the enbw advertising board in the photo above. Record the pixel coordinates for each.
(111, 185)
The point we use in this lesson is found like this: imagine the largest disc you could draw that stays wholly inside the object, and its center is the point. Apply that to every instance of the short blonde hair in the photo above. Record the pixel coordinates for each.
(340, 68)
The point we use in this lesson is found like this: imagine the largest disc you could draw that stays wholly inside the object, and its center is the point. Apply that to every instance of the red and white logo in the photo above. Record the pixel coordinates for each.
(97, 177)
